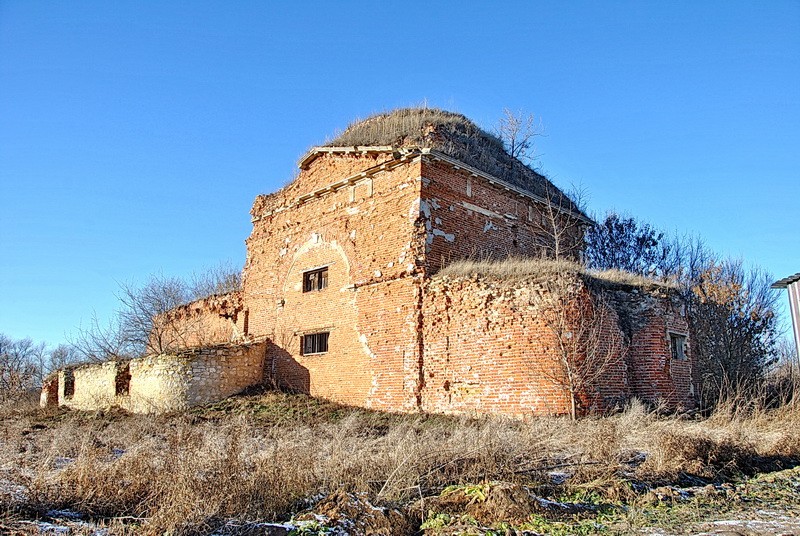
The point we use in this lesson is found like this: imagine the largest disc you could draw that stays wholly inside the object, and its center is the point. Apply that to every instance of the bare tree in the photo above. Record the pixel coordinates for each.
(518, 131)
(731, 308)
(586, 345)
(560, 224)
(98, 342)
(148, 320)
(20, 368)
(220, 279)
(59, 357)
(734, 329)
(630, 245)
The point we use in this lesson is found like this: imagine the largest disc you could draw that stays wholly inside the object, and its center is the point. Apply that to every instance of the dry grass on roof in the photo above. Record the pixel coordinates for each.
(517, 268)
(413, 126)
(455, 135)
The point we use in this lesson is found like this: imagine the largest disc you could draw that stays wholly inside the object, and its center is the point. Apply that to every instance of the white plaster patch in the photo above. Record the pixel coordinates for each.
(414, 210)
(480, 210)
(446, 236)
(438, 221)
(425, 209)
(489, 226)
(364, 344)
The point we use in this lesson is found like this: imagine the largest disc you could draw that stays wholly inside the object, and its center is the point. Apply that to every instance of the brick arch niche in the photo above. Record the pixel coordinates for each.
(317, 344)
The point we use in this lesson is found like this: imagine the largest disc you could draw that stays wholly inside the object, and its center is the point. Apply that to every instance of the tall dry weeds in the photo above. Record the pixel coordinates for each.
(186, 473)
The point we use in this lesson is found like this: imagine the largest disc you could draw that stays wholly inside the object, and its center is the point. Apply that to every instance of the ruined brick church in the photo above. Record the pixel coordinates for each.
(348, 292)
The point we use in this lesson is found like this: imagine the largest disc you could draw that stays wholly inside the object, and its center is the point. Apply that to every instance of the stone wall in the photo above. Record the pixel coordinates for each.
(159, 383)
(174, 382)
(88, 387)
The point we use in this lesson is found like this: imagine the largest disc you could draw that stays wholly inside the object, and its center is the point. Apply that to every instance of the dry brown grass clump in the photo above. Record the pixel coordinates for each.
(453, 134)
(188, 473)
(517, 268)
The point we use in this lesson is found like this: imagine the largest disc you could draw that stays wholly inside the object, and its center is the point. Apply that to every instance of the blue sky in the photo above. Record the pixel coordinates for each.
(135, 135)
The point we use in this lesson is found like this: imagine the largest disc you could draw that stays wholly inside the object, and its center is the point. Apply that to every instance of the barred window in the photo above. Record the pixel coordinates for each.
(677, 344)
(315, 280)
(314, 343)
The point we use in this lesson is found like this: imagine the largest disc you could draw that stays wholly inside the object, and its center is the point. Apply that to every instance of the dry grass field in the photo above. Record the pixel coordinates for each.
(275, 463)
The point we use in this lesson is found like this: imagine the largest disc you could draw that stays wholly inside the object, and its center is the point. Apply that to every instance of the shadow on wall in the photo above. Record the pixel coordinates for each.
(282, 371)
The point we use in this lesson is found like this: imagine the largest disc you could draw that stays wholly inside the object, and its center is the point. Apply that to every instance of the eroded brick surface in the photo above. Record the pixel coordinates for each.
(381, 224)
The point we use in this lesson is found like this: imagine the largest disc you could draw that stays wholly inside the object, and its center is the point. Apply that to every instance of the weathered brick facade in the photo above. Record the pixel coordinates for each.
(340, 283)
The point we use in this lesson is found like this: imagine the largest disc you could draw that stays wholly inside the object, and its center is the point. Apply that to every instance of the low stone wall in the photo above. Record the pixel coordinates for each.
(88, 387)
(169, 383)
(159, 383)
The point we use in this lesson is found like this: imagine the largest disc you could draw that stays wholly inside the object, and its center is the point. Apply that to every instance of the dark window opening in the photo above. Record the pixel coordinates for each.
(315, 280)
(314, 343)
(69, 384)
(123, 380)
(678, 346)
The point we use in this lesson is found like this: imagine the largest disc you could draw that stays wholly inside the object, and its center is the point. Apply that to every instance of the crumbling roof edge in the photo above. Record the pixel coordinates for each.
(314, 152)
(609, 279)
(506, 185)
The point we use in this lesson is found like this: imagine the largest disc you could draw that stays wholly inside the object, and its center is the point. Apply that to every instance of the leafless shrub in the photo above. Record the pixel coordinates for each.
(518, 130)
(141, 326)
(220, 279)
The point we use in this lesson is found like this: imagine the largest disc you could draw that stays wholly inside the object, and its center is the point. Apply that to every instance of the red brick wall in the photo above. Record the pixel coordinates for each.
(365, 233)
(216, 319)
(467, 217)
(489, 349)
(401, 341)
(655, 375)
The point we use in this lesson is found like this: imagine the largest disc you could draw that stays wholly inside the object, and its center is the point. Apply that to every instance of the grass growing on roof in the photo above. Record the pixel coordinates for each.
(518, 268)
(453, 134)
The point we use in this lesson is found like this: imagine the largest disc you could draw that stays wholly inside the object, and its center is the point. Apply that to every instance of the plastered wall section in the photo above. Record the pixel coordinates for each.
(488, 351)
(159, 383)
(364, 227)
(93, 386)
(468, 217)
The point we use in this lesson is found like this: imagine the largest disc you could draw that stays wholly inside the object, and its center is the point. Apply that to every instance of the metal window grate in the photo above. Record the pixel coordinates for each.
(678, 346)
(315, 280)
(314, 343)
